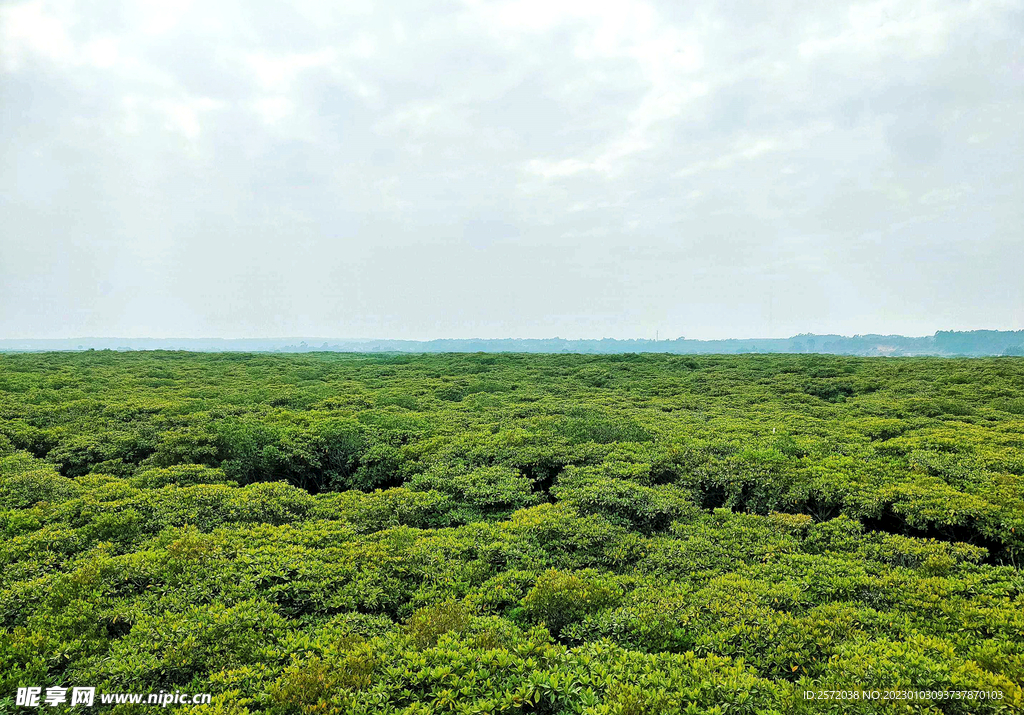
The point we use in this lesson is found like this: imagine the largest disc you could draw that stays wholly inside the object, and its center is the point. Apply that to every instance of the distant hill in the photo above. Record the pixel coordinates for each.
(946, 343)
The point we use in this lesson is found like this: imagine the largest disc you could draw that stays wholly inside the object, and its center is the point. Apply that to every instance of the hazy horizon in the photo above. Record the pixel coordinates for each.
(569, 337)
(517, 167)
(967, 344)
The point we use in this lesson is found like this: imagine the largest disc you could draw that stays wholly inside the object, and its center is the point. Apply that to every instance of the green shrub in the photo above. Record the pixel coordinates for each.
(791, 523)
(429, 623)
(25, 481)
(173, 648)
(645, 509)
(561, 598)
(482, 492)
(182, 475)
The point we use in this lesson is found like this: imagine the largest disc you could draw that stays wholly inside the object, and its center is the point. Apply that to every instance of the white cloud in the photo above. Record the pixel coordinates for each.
(419, 151)
(101, 52)
(946, 195)
(744, 150)
(667, 58)
(34, 28)
(273, 109)
(886, 26)
(278, 72)
(184, 115)
(158, 17)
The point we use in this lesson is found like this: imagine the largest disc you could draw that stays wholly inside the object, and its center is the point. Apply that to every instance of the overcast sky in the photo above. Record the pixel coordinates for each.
(524, 168)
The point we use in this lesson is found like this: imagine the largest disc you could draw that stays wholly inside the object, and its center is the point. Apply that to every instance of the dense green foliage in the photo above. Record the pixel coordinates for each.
(330, 533)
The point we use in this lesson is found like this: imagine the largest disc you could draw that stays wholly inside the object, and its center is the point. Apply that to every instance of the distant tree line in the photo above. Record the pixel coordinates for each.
(972, 343)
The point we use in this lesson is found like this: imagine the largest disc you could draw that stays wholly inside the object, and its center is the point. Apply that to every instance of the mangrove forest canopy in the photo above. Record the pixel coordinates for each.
(511, 533)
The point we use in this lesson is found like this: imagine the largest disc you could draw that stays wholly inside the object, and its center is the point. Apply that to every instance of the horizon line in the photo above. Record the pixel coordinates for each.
(493, 339)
